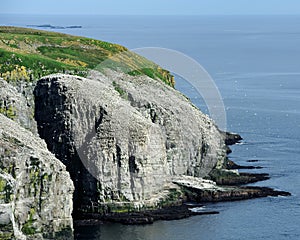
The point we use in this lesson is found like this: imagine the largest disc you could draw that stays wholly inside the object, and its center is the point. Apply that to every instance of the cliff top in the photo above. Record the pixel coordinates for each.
(29, 54)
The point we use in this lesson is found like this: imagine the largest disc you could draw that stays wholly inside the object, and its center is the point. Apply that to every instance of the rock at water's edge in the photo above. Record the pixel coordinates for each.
(231, 138)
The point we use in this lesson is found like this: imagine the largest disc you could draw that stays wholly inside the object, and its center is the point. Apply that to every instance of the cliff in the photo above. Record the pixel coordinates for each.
(17, 104)
(35, 188)
(124, 138)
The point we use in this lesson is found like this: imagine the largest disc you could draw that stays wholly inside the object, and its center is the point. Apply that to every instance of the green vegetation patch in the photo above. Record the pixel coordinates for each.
(119, 89)
(6, 232)
(28, 227)
(28, 54)
(173, 198)
(6, 191)
(8, 111)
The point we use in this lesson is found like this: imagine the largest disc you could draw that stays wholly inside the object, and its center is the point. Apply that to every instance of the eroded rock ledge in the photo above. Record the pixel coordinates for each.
(201, 191)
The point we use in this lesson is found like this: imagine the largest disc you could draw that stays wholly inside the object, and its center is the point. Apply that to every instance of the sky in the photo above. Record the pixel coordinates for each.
(151, 7)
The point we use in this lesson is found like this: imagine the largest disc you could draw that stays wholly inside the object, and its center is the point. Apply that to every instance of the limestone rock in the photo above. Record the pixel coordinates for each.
(193, 143)
(35, 188)
(122, 138)
(18, 106)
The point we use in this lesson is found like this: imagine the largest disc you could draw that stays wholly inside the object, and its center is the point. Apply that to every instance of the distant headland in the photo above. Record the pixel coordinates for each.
(54, 27)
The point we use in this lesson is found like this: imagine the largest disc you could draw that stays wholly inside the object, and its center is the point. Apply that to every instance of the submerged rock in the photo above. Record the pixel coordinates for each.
(133, 134)
(35, 188)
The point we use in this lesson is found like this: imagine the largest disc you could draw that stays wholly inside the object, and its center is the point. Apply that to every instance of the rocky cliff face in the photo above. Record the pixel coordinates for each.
(124, 138)
(35, 188)
(18, 106)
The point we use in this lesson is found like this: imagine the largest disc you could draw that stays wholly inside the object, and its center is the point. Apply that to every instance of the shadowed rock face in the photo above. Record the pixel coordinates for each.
(132, 133)
(35, 188)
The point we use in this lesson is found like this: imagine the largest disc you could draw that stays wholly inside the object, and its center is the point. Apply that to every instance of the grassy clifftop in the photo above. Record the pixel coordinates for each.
(29, 54)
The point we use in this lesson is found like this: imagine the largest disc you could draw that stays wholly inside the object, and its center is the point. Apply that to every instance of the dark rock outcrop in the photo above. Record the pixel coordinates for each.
(231, 138)
(146, 216)
(232, 166)
(149, 216)
(231, 194)
(231, 177)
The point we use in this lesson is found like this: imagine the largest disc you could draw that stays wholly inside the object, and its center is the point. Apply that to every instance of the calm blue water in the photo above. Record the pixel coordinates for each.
(255, 62)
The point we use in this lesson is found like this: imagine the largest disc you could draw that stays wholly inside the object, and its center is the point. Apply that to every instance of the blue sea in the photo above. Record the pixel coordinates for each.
(255, 63)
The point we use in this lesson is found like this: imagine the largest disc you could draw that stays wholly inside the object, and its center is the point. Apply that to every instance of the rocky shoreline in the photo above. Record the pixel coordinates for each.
(197, 197)
(144, 217)
(229, 188)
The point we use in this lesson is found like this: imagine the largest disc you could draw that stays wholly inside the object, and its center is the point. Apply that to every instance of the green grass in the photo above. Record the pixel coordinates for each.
(119, 89)
(8, 111)
(36, 65)
(40, 53)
